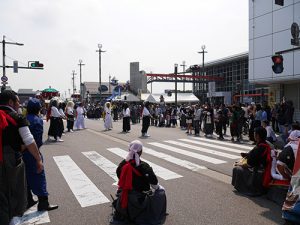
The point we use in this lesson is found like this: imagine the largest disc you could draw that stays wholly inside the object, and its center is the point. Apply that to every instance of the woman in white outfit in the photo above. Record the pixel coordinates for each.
(79, 117)
(108, 120)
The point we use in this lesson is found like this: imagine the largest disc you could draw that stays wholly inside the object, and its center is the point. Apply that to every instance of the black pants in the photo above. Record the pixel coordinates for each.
(197, 126)
(70, 122)
(126, 124)
(146, 124)
(219, 127)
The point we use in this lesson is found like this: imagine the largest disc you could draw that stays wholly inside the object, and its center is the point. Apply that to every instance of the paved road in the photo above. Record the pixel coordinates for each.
(194, 171)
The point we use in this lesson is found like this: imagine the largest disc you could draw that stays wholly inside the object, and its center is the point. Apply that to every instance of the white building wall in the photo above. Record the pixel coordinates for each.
(269, 32)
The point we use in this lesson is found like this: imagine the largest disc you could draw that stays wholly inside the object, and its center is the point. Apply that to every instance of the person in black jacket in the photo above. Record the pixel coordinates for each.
(134, 202)
(14, 138)
(253, 177)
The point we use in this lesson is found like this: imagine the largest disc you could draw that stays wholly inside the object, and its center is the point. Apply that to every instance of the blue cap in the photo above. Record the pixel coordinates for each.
(34, 103)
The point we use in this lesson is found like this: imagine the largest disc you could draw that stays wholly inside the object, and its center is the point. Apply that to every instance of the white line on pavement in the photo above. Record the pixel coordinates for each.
(158, 170)
(188, 153)
(196, 148)
(31, 216)
(179, 162)
(220, 143)
(82, 187)
(213, 146)
(103, 163)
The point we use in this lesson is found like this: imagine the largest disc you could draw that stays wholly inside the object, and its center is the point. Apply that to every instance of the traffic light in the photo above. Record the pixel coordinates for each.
(279, 2)
(169, 93)
(278, 64)
(37, 64)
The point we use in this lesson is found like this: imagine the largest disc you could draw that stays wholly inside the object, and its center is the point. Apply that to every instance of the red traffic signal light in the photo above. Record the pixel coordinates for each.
(278, 64)
(36, 64)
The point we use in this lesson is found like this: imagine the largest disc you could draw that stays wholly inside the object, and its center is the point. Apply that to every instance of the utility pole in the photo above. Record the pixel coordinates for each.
(183, 65)
(80, 65)
(109, 77)
(100, 51)
(202, 69)
(175, 72)
(73, 79)
(4, 78)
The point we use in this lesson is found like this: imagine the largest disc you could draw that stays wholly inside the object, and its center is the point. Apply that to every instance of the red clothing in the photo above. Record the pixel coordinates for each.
(125, 182)
(4, 120)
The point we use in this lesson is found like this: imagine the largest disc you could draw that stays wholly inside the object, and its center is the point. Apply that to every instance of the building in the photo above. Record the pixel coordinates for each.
(138, 80)
(270, 32)
(26, 94)
(91, 93)
(235, 86)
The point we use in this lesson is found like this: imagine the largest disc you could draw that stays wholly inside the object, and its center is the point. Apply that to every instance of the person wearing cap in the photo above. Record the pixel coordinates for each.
(36, 182)
(135, 179)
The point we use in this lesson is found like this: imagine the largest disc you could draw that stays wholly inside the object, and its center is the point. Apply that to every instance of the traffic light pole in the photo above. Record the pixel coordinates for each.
(3, 61)
(288, 50)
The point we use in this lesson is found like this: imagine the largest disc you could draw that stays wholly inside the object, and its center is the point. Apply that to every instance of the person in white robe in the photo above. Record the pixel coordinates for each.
(108, 119)
(79, 124)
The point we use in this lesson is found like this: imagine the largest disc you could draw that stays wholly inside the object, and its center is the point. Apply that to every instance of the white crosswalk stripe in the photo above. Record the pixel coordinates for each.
(174, 160)
(82, 187)
(103, 163)
(196, 148)
(158, 170)
(31, 216)
(188, 153)
(213, 146)
(220, 143)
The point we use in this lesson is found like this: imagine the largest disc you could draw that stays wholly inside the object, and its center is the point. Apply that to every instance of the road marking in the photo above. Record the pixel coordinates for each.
(31, 216)
(174, 160)
(103, 163)
(213, 146)
(209, 173)
(158, 170)
(213, 152)
(187, 153)
(220, 143)
(86, 193)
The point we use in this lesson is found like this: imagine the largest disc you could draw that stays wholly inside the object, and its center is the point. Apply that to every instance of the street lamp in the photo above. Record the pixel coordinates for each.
(80, 64)
(183, 65)
(100, 51)
(175, 72)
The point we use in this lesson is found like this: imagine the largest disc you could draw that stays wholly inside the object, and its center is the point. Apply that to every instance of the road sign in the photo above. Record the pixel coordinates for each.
(4, 82)
(4, 78)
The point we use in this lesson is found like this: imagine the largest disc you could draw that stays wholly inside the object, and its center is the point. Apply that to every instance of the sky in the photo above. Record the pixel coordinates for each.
(156, 33)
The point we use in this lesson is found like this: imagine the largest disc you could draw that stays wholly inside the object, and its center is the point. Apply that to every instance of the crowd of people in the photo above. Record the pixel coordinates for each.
(273, 131)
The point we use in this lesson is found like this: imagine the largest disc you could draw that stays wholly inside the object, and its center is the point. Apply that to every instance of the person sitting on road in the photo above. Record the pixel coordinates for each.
(136, 202)
(254, 175)
(271, 137)
(286, 158)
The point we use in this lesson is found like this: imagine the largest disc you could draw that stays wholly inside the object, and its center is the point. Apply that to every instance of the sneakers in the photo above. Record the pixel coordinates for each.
(146, 135)
(59, 140)
(71, 131)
